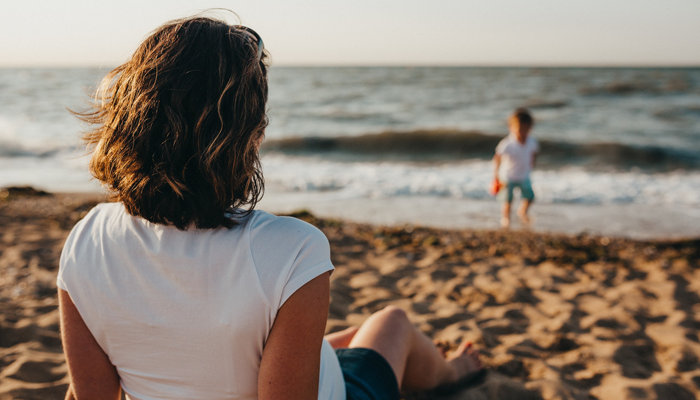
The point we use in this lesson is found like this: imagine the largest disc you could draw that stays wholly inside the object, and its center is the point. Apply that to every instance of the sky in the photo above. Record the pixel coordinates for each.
(50, 33)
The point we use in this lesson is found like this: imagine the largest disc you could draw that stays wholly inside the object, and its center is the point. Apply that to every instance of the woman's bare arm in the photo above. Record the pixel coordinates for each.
(92, 374)
(292, 356)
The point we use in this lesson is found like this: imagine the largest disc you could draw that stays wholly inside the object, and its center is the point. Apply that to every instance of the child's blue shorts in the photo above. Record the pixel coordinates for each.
(368, 376)
(505, 195)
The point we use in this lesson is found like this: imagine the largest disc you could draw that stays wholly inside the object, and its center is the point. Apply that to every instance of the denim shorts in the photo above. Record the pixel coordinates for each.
(368, 376)
(505, 195)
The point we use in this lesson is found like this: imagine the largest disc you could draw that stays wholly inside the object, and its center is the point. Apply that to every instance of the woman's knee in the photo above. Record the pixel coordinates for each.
(392, 317)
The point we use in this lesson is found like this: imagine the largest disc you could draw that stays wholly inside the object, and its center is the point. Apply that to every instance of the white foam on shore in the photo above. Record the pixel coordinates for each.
(444, 196)
(454, 196)
(470, 180)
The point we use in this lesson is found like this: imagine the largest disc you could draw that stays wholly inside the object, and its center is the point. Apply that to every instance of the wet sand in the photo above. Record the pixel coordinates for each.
(555, 316)
(634, 221)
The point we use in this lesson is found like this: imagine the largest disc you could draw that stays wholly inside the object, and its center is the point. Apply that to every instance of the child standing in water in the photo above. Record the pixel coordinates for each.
(518, 152)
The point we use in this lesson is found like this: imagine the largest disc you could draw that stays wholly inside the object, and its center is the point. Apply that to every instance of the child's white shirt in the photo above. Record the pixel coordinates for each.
(517, 157)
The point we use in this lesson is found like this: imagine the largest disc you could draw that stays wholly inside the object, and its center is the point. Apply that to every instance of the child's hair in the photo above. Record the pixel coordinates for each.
(521, 117)
(179, 124)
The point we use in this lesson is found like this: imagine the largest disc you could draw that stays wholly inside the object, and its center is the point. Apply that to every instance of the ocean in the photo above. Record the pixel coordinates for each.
(609, 136)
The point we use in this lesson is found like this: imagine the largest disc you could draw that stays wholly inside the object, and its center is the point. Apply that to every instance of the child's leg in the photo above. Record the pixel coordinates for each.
(528, 196)
(524, 206)
(505, 214)
(416, 361)
(505, 196)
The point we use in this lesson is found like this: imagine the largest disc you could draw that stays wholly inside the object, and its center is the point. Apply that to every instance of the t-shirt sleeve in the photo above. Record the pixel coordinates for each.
(535, 145)
(501, 148)
(313, 259)
(68, 262)
(288, 253)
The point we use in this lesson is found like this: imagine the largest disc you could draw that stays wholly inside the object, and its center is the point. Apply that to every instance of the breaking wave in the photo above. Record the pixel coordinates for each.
(448, 145)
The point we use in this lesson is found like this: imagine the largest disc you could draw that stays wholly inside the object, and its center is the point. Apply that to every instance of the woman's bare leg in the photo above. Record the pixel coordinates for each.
(341, 339)
(414, 358)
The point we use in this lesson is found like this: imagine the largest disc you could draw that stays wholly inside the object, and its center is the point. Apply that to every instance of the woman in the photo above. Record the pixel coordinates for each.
(173, 291)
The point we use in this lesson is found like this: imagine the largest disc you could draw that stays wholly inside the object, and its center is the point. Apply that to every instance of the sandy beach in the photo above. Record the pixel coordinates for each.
(555, 316)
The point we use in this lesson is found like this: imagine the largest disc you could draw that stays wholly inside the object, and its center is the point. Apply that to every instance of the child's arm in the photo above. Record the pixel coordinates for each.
(497, 165)
(534, 160)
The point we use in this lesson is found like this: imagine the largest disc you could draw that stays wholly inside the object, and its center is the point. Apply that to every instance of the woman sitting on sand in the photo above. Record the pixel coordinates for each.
(174, 291)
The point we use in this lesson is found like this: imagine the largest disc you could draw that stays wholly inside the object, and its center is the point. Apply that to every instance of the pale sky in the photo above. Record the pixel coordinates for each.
(372, 32)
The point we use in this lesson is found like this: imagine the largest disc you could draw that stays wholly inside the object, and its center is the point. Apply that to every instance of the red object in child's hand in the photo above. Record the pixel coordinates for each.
(495, 187)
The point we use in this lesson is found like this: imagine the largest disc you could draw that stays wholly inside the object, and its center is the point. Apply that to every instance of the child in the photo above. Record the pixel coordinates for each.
(174, 291)
(518, 152)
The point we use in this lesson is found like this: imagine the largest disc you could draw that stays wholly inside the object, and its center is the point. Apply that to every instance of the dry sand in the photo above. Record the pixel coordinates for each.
(555, 317)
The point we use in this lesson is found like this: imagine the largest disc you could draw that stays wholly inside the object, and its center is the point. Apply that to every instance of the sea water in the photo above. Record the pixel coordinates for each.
(608, 135)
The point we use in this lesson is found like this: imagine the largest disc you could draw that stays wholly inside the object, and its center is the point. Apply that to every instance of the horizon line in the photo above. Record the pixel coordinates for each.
(393, 65)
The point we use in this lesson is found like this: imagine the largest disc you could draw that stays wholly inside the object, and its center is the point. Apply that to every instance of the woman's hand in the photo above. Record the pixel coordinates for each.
(291, 359)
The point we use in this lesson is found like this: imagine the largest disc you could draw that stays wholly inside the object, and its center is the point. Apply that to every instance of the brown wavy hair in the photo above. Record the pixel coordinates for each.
(179, 125)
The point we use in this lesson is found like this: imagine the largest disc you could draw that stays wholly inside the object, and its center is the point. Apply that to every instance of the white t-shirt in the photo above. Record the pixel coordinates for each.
(517, 157)
(185, 314)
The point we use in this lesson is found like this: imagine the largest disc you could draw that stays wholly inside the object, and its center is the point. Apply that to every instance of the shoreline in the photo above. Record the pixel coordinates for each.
(554, 316)
(630, 221)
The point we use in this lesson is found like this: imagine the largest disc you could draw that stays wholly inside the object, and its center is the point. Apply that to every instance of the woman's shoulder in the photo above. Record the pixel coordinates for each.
(87, 232)
(105, 209)
(97, 214)
(262, 223)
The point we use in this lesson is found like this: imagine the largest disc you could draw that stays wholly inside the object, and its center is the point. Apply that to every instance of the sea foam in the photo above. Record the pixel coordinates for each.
(470, 180)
